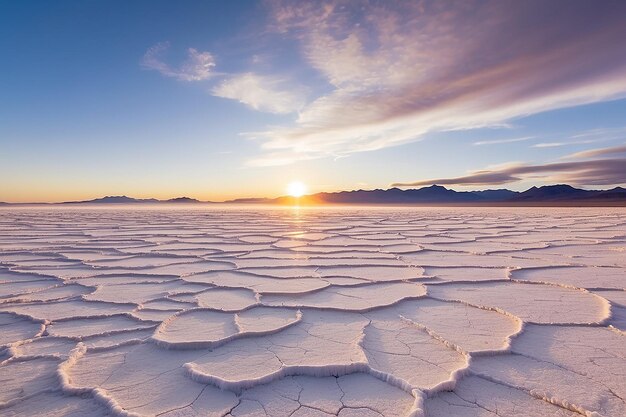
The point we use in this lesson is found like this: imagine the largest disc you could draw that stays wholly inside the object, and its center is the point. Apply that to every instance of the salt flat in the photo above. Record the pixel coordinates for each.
(312, 312)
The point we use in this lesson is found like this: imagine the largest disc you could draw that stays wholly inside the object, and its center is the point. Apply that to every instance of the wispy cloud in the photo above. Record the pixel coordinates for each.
(197, 66)
(611, 171)
(607, 133)
(399, 70)
(594, 153)
(500, 141)
(550, 144)
(263, 93)
(568, 143)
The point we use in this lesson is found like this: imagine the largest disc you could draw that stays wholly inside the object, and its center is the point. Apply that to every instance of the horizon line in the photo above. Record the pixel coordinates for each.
(250, 200)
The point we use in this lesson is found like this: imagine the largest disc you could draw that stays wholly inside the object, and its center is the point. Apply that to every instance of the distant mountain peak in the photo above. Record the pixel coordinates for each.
(553, 192)
(117, 199)
(560, 187)
(183, 200)
(114, 199)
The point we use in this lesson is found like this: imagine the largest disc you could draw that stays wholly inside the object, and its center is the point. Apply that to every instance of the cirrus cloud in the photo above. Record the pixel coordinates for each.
(502, 141)
(592, 153)
(609, 171)
(399, 70)
(263, 93)
(197, 67)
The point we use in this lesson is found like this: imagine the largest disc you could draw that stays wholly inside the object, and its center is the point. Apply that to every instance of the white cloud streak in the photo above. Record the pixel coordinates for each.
(263, 93)
(197, 67)
(601, 152)
(501, 141)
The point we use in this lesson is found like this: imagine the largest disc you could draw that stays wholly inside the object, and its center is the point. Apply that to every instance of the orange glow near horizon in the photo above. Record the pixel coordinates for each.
(47, 191)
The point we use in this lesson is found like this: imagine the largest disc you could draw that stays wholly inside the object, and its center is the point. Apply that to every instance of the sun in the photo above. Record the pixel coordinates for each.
(296, 189)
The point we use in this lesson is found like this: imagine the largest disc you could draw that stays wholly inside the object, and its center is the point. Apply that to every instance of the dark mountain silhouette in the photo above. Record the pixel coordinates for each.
(560, 194)
(563, 192)
(613, 193)
(552, 192)
(182, 200)
(114, 199)
(122, 199)
(432, 194)
(496, 195)
(435, 194)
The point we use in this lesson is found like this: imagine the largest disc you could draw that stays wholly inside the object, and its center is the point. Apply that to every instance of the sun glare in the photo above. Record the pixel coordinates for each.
(296, 189)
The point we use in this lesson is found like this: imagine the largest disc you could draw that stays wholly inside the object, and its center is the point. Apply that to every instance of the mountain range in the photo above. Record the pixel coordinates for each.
(560, 194)
(122, 199)
(547, 195)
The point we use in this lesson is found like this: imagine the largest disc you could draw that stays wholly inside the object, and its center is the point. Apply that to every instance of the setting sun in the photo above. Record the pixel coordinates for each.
(296, 189)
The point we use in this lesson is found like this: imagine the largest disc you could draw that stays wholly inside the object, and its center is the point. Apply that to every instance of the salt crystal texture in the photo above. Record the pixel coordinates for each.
(312, 312)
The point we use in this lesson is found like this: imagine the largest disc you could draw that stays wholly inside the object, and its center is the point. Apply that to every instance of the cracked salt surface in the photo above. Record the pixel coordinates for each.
(310, 312)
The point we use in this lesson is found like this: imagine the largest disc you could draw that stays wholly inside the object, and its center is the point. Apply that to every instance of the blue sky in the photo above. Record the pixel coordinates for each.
(219, 100)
